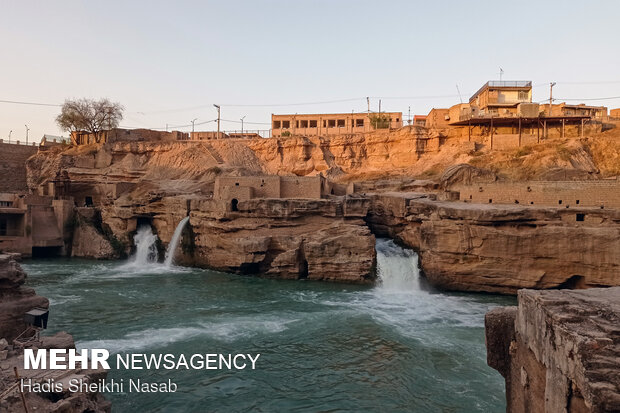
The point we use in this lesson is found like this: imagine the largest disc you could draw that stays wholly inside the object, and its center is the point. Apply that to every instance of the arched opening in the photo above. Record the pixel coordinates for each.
(576, 282)
(233, 204)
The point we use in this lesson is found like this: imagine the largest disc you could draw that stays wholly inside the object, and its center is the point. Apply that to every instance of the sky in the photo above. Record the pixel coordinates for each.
(168, 62)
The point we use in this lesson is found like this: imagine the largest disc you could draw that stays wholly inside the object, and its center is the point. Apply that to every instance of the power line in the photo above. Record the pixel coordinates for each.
(28, 103)
(605, 98)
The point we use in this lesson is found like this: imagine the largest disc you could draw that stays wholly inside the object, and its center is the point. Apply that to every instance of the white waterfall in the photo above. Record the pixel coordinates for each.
(146, 250)
(397, 267)
(174, 242)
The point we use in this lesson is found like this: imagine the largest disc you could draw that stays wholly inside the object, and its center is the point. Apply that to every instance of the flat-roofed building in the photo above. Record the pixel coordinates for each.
(324, 124)
(502, 97)
(566, 109)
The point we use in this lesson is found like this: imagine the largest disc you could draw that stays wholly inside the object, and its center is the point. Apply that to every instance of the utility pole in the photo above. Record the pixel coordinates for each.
(193, 120)
(501, 73)
(11, 131)
(218, 120)
(368, 103)
(166, 127)
(551, 85)
(242, 125)
(27, 129)
(379, 106)
(409, 115)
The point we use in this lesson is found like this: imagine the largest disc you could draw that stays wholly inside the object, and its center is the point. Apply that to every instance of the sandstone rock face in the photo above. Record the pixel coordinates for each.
(559, 351)
(15, 298)
(502, 248)
(88, 242)
(317, 239)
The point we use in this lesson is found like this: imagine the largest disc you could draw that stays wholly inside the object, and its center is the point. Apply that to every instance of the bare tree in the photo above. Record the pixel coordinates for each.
(91, 116)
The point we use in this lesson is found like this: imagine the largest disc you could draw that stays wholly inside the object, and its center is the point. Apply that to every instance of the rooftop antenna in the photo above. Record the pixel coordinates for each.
(501, 73)
(459, 92)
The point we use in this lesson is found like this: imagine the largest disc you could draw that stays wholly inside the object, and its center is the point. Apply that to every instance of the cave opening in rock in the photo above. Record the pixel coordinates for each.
(575, 282)
(234, 204)
(303, 270)
(46, 252)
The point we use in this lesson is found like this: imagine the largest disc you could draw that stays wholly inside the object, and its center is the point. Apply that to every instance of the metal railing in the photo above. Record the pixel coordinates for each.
(12, 142)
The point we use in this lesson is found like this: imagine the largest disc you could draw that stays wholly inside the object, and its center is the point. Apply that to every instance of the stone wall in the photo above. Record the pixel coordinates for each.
(558, 350)
(267, 186)
(13, 166)
(593, 193)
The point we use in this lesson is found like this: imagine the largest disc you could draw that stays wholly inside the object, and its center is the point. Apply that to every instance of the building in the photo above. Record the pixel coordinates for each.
(438, 118)
(325, 124)
(419, 120)
(241, 188)
(502, 97)
(33, 225)
(614, 114)
(564, 109)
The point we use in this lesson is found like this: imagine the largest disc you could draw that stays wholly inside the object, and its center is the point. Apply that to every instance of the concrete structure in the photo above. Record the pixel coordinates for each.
(127, 135)
(324, 124)
(561, 194)
(564, 109)
(502, 97)
(34, 225)
(241, 188)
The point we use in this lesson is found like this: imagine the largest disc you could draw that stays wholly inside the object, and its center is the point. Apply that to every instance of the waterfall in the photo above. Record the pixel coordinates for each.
(397, 267)
(174, 242)
(146, 251)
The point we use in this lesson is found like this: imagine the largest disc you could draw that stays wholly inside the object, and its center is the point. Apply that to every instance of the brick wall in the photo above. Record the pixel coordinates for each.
(13, 166)
(547, 193)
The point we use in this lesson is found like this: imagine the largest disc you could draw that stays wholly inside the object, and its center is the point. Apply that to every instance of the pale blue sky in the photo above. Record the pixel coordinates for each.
(160, 58)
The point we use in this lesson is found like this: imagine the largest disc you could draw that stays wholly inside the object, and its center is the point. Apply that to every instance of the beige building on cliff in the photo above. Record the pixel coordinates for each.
(323, 124)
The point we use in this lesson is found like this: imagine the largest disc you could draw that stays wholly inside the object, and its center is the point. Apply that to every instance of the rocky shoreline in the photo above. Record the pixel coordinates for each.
(15, 300)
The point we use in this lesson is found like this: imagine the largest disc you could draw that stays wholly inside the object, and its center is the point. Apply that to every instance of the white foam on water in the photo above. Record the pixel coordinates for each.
(225, 330)
(402, 302)
(174, 242)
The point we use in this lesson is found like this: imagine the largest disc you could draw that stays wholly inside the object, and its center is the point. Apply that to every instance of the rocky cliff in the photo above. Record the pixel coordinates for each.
(320, 239)
(559, 351)
(502, 248)
(15, 297)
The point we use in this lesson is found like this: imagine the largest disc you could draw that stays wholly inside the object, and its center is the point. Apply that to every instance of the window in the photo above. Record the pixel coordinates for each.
(303, 123)
(6, 204)
(236, 183)
(577, 202)
(341, 123)
(313, 123)
(490, 201)
(397, 119)
(3, 226)
(286, 124)
(523, 95)
(331, 123)
(580, 217)
(324, 123)
(276, 124)
(359, 123)
(296, 123)
(560, 202)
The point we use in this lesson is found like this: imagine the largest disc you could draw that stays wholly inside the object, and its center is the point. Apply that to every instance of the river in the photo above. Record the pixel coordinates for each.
(395, 347)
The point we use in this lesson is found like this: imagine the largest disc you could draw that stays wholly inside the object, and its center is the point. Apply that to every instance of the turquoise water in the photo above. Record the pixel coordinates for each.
(394, 347)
